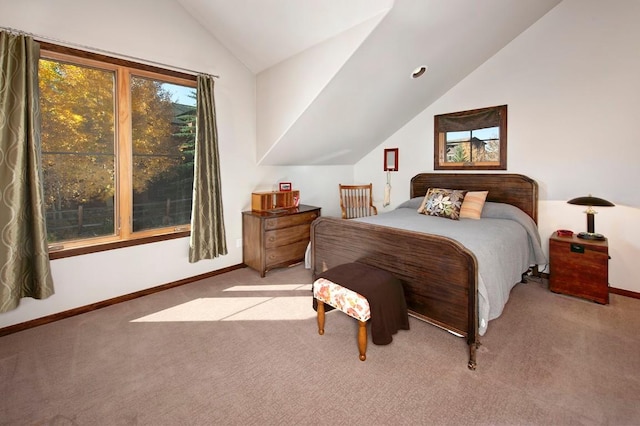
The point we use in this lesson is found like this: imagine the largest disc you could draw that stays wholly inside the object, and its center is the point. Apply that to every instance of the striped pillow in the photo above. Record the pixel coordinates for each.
(473, 204)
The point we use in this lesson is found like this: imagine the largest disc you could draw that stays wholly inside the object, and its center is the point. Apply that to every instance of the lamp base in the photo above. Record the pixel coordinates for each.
(590, 236)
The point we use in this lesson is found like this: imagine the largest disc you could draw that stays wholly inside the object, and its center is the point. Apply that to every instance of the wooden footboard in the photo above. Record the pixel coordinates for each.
(438, 274)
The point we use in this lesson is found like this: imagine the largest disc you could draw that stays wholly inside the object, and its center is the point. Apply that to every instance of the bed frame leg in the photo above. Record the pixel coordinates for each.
(533, 271)
(472, 355)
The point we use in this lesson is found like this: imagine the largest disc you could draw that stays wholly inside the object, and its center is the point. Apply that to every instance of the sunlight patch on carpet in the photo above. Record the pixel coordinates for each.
(236, 309)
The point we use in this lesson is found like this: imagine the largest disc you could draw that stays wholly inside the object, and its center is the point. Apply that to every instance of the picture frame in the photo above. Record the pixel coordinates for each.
(391, 159)
(471, 140)
(284, 186)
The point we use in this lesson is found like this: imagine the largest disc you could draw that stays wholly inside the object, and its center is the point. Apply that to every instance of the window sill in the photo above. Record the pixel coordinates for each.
(78, 251)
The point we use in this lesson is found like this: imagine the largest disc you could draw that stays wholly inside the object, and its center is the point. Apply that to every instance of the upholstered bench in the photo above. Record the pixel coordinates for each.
(367, 294)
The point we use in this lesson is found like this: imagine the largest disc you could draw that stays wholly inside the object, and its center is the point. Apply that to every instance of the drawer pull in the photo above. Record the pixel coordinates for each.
(577, 248)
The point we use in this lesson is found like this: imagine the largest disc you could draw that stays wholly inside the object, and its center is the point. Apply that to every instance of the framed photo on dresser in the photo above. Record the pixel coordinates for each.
(284, 186)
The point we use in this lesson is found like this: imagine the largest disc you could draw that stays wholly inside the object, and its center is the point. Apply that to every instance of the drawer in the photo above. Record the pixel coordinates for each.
(579, 270)
(579, 282)
(290, 220)
(590, 263)
(286, 254)
(598, 292)
(577, 259)
(286, 236)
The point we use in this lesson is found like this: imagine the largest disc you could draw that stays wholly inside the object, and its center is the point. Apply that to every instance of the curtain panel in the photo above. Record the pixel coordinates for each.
(208, 238)
(24, 258)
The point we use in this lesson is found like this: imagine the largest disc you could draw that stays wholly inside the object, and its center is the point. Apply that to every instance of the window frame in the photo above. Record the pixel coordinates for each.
(124, 235)
(440, 143)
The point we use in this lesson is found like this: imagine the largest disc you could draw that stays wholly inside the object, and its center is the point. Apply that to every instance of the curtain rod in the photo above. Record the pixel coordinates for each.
(97, 50)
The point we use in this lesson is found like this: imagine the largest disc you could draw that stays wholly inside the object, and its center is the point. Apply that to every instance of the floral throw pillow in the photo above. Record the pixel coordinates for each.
(443, 203)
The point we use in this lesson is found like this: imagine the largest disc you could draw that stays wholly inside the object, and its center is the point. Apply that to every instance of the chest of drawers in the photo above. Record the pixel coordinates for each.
(272, 239)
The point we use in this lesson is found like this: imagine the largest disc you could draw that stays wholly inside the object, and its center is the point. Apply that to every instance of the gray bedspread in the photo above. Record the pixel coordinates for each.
(505, 242)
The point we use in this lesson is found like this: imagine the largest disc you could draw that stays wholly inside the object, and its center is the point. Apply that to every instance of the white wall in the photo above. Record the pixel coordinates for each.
(161, 31)
(571, 85)
(285, 90)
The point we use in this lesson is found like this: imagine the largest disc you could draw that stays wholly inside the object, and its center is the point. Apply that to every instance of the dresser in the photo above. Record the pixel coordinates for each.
(579, 267)
(276, 238)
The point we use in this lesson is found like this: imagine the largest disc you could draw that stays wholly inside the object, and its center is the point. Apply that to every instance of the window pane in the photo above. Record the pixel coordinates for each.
(77, 107)
(486, 144)
(458, 147)
(163, 125)
(478, 145)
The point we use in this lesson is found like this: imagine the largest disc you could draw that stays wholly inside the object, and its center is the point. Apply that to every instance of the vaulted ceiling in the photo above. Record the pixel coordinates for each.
(334, 76)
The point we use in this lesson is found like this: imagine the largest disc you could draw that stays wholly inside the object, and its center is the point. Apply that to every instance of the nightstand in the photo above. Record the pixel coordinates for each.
(579, 267)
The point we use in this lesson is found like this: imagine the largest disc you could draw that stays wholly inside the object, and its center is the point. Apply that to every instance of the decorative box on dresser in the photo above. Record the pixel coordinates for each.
(275, 238)
(579, 267)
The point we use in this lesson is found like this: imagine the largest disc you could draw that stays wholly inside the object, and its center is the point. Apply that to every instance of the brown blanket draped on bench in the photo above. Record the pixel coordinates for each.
(387, 302)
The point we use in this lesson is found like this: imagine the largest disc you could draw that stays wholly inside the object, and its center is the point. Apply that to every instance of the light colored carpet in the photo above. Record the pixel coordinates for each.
(238, 349)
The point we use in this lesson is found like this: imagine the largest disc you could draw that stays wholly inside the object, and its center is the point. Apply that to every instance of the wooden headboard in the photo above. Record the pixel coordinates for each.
(518, 190)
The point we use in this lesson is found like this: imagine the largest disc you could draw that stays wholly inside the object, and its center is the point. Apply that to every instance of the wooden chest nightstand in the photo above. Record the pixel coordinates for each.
(276, 238)
(579, 267)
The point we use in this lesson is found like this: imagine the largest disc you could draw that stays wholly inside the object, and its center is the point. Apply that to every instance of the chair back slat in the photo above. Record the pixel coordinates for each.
(356, 201)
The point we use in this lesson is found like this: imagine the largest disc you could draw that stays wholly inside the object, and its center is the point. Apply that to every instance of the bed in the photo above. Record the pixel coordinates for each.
(452, 277)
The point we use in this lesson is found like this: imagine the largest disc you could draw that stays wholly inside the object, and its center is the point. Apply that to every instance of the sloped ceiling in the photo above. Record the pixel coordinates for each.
(371, 95)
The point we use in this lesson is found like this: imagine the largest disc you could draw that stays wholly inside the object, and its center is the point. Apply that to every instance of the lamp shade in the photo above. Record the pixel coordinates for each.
(591, 201)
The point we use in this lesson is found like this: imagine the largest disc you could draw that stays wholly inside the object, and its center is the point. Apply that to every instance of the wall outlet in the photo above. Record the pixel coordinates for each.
(239, 243)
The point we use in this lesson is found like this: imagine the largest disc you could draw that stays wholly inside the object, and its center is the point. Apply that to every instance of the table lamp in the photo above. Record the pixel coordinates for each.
(591, 201)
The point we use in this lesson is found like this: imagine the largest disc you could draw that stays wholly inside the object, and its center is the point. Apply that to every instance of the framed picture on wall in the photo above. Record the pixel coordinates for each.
(391, 159)
(284, 186)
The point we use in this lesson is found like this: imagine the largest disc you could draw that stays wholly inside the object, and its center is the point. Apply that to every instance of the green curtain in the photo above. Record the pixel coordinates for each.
(24, 257)
(208, 238)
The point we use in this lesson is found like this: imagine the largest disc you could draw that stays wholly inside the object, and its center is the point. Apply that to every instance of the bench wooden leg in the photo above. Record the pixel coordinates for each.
(362, 339)
(320, 310)
(362, 330)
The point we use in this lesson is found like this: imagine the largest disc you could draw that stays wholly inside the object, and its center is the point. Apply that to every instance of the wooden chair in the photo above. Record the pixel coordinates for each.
(357, 201)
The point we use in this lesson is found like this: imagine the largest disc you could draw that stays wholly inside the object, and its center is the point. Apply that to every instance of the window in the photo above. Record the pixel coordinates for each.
(474, 140)
(118, 144)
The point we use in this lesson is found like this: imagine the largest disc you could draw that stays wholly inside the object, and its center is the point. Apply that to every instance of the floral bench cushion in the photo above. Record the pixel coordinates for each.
(348, 301)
